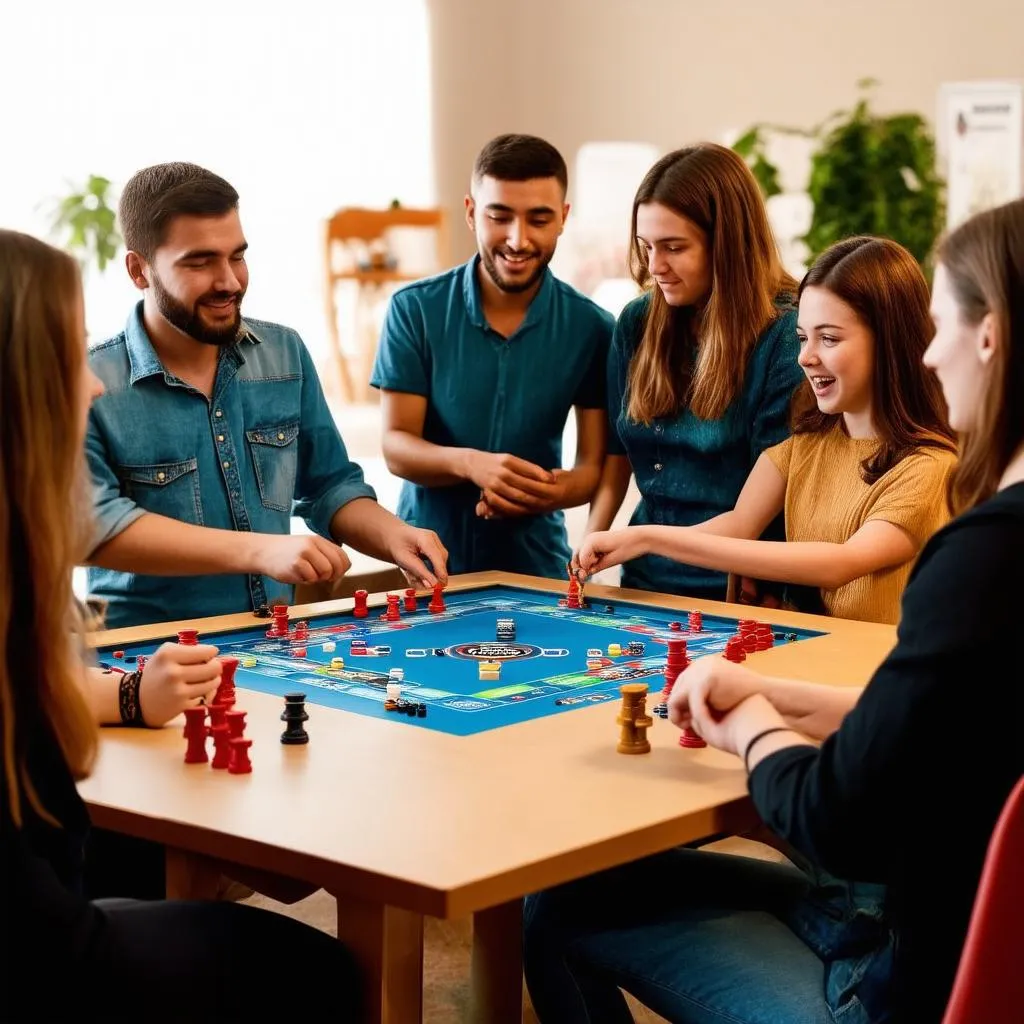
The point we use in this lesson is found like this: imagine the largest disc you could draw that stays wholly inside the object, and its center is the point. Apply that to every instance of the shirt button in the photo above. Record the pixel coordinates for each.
(220, 437)
(161, 476)
(658, 467)
(218, 414)
(226, 465)
(657, 428)
(280, 437)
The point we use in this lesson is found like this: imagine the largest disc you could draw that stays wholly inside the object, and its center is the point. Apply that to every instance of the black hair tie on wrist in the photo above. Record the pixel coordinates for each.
(760, 736)
(128, 699)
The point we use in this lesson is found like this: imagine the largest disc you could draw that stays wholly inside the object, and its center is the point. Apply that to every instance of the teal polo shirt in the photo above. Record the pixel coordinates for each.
(495, 394)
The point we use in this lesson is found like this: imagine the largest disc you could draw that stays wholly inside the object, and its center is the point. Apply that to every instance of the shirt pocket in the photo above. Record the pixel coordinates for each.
(275, 458)
(166, 488)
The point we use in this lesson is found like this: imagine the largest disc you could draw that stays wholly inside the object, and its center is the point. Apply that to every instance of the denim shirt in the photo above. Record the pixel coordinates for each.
(497, 394)
(689, 469)
(264, 448)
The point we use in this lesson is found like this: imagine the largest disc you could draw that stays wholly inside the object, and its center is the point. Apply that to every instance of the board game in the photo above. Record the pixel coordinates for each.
(494, 656)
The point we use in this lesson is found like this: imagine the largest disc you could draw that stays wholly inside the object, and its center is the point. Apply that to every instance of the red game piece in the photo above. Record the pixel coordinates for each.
(691, 740)
(195, 733)
(235, 721)
(298, 652)
(239, 763)
(359, 609)
(696, 622)
(410, 600)
(734, 649)
(676, 627)
(394, 613)
(118, 654)
(572, 597)
(221, 750)
(226, 690)
(301, 631)
(675, 663)
(437, 605)
(280, 626)
(765, 637)
(217, 713)
(188, 637)
(140, 662)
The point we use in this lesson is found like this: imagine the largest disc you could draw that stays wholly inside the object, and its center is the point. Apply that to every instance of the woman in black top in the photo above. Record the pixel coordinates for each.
(62, 957)
(903, 791)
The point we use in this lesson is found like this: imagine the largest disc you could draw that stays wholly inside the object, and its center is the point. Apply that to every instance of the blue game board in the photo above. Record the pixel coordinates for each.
(543, 671)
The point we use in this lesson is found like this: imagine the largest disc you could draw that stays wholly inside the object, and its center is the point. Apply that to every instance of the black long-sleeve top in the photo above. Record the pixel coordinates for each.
(908, 790)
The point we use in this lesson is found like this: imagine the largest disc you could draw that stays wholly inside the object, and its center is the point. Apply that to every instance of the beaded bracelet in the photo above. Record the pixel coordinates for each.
(128, 699)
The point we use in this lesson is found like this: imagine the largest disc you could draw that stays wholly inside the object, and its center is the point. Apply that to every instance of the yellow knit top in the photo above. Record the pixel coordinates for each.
(828, 501)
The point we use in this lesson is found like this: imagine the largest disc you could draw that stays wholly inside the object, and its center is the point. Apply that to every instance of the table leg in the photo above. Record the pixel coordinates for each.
(191, 876)
(388, 945)
(496, 971)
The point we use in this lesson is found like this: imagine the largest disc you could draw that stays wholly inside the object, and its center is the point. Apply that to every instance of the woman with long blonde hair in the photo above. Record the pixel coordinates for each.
(64, 956)
(703, 364)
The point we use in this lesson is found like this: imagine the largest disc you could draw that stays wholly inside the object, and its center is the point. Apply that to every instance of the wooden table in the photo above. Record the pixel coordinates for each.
(400, 823)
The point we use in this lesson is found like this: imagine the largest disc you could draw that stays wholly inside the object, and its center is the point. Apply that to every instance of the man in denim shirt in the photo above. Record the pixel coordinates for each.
(214, 431)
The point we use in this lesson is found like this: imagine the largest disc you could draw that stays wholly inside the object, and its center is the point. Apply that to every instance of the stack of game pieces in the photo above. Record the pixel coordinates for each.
(225, 694)
(280, 626)
(635, 648)
(633, 720)
(195, 733)
(437, 604)
(734, 649)
(696, 622)
(294, 715)
(410, 600)
(505, 632)
(188, 637)
(675, 627)
(301, 632)
(674, 664)
(393, 613)
(573, 597)
(359, 608)
(756, 636)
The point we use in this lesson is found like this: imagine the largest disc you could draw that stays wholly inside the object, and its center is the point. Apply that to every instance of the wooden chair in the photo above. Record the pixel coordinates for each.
(359, 247)
(989, 984)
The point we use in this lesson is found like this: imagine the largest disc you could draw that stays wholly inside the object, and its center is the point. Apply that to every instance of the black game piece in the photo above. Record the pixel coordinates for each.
(263, 612)
(421, 710)
(439, 652)
(791, 636)
(294, 714)
(609, 609)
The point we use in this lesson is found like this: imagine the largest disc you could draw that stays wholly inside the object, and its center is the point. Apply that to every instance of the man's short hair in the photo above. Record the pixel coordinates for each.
(156, 195)
(520, 158)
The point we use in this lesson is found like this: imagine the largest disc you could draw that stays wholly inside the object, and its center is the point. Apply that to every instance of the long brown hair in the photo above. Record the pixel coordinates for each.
(42, 474)
(883, 284)
(712, 187)
(984, 261)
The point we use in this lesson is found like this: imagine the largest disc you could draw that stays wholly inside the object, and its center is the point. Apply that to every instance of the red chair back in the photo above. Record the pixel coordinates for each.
(989, 986)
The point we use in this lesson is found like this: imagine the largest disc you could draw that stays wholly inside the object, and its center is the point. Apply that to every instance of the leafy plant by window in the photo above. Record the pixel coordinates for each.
(870, 175)
(85, 222)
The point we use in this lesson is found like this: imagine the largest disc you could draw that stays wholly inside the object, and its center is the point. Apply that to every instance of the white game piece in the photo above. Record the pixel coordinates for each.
(394, 691)
(330, 646)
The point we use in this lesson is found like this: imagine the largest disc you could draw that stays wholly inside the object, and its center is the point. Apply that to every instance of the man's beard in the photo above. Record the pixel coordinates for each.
(513, 287)
(188, 320)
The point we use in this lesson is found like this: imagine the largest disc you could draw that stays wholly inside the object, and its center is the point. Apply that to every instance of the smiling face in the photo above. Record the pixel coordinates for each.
(198, 276)
(837, 354)
(960, 354)
(517, 225)
(677, 254)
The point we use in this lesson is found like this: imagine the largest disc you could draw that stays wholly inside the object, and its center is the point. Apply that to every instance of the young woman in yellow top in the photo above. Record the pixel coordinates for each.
(863, 478)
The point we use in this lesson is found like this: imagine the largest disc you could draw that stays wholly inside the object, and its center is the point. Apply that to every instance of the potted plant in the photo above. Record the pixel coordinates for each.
(84, 221)
(870, 175)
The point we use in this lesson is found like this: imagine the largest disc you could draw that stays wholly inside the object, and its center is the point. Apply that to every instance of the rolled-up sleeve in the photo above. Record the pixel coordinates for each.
(112, 510)
(327, 478)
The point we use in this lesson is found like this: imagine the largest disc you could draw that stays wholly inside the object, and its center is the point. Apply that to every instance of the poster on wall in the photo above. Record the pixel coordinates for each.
(981, 143)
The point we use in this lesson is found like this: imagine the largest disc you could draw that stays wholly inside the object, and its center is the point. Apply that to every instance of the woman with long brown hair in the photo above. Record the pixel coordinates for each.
(703, 364)
(858, 783)
(862, 479)
(65, 957)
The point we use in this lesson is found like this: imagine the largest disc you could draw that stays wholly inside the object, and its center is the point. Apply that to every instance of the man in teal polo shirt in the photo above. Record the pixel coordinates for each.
(479, 367)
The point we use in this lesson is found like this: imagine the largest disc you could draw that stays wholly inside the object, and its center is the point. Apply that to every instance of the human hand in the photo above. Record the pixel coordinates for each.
(494, 506)
(408, 546)
(178, 676)
(607, 548)
(512, 486)
(299, 558)
(707, 695)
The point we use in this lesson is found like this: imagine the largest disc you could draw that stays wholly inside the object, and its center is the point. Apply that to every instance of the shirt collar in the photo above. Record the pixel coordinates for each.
(142, 357)
(474, 301)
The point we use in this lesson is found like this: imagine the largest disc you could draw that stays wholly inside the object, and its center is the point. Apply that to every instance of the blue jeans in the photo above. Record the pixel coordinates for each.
(698, 937)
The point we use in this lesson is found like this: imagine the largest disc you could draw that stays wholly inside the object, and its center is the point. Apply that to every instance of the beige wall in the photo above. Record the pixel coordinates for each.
(674, 71)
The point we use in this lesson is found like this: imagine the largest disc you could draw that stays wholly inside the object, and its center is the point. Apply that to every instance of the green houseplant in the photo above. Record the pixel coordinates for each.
(84, 221)
(870, 175)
